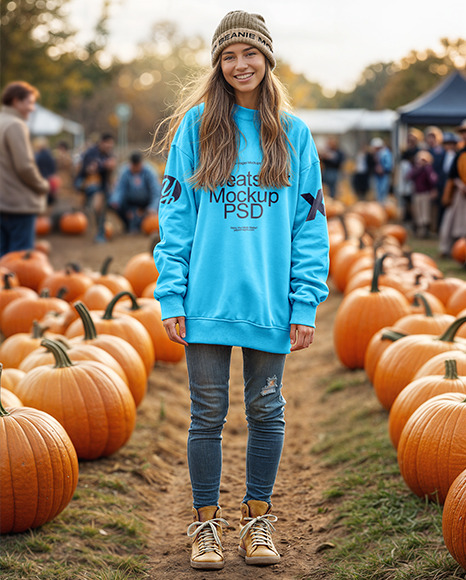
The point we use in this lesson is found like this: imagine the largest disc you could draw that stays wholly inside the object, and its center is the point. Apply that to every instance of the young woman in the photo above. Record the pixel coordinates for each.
(243, 261)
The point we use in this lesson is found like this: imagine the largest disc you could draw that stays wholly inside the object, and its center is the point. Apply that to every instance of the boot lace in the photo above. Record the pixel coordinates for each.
(261, 529)
(206, 534)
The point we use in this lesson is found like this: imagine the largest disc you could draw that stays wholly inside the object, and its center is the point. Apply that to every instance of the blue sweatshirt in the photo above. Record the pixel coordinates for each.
(243, 262)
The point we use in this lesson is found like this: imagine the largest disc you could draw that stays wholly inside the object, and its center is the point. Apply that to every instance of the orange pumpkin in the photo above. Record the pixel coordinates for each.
(436, 364)
(453, 527)
(361, 314)
(401, 360)
(115, 282)
(38, 471)
(71, 281)
(8, 293)
(97, 297)
(140, 270)
(17, 346)
(9, 399)
(30, 266)
(43, 225)
(419, 391)
(150, 224)
(458, 251)
(457, 301)
(377, 344)
(73, 223)
(443, 288)
(20, 314)
(128, 357)
(88, 398)
(11, 377)
(431, 451)
(424, 321)
(148, 312)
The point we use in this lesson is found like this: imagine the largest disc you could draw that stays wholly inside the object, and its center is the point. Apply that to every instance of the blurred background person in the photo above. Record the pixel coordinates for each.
(405, 187)
(137, 193)
(453, 225)
(47, 166)
(332, 158)
(363, 171)
(434, 145)
(23, 190)
(424, 179)
(450, 146)
(383, 165)
(94, 179)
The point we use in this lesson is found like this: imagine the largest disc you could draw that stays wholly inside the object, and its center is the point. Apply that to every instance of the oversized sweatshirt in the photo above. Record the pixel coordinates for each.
(243, 262)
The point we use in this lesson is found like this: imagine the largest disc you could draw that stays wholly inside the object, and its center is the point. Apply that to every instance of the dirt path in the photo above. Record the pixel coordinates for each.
(301, 526)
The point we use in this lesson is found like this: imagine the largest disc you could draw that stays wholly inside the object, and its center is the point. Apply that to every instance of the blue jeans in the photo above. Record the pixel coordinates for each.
(17, 232)
(209, 374)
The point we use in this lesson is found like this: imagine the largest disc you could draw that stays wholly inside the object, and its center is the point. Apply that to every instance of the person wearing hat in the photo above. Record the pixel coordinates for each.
(424, 179)
(383, 159)
(242, 261)
(453, 224)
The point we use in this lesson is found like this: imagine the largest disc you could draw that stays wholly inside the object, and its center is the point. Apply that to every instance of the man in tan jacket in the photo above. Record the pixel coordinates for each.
(23, 191)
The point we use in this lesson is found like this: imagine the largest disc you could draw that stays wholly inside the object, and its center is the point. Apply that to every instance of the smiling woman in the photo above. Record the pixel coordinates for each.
(242, 261)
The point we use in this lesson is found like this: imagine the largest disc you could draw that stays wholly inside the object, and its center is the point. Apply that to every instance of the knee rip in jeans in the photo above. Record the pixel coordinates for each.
(271, 386)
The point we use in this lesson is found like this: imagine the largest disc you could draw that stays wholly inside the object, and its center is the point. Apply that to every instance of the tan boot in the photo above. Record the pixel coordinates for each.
(256, 544)
(206, 531)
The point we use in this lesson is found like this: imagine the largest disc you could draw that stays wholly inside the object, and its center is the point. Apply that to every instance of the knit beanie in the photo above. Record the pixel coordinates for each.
(240, 26)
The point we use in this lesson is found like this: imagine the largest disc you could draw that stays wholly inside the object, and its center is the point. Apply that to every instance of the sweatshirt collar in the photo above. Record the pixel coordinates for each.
(245, 114)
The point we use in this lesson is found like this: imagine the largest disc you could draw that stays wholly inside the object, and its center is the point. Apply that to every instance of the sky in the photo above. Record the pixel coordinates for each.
(331, 41)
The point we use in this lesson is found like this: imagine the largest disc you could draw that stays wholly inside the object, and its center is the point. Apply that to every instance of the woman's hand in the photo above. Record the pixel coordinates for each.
(176, 329)
(301, 336)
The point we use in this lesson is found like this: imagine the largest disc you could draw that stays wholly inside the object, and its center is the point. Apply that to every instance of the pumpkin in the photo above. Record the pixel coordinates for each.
(81, 351)
(150, 224)
(9, 399)
(457, 301)
(19, 315)
(344, 259)
(458, 251)
(38, 470)
(11, 377)
(443, 288)
(431, 450)
(140, 270)
(115, 282)
(436, 364)
(73, 223)
(88, 398)
(372, 212)
(149, 290)
(361, 314)
(30, 266)
(425, 321)
(122, 325)
(71, 281)
(8, 293)
(453, 519)
(148, 312)
(377, 344)
(17, 346)
(97, 297)
(12, 277)
(419, 391)
(43, 246)
(43, 225)
(396, 231)
(401, 360)
(128, 357)
(417, 307)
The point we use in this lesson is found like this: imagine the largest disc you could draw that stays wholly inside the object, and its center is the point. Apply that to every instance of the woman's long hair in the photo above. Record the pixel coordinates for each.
(218, 134)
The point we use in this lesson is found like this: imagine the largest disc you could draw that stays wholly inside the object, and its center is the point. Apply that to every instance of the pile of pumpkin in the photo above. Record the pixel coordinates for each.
(77, 350)
(404, 323)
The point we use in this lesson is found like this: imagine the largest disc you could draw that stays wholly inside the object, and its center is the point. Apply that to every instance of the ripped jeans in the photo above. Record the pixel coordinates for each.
(209, 374)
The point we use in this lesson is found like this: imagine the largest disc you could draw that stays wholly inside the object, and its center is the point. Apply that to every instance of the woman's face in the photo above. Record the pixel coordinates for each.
(243, 67)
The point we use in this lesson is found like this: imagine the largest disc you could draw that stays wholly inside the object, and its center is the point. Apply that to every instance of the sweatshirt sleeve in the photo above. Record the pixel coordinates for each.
(177, 222)
(310, 245)
(23, 159)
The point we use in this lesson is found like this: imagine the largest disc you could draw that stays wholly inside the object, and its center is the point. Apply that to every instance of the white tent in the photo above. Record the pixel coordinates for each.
(43, 122)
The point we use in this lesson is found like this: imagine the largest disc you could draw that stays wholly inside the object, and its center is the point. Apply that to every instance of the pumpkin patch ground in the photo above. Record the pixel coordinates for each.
(342, 506)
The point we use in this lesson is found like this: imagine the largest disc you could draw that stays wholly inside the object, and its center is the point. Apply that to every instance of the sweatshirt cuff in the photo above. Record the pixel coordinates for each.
(304, 314)
(172, 306)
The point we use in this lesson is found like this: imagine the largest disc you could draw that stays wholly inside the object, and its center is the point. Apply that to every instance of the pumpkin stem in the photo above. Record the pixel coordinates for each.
(6, 281)
(45, 293)
(451, 370)
(72, 267)
(377, 271)
(61, 292)
(450, 332)
(392, 335)
(62, 360)
(3, 412)
(106, 265)
(421, 299)
(90, 331)
(108, 314)
(38, 329)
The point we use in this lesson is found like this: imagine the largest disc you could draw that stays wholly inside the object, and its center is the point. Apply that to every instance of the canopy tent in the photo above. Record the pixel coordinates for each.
(341, 121)
(43, 122)
(444, 105)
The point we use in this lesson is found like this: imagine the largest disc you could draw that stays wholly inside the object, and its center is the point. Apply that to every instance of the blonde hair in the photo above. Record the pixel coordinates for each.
(218, 132)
